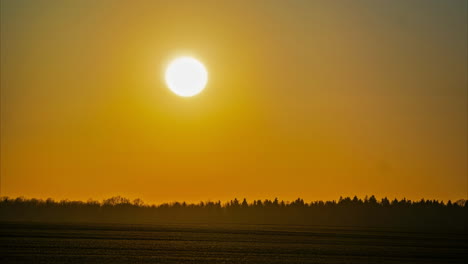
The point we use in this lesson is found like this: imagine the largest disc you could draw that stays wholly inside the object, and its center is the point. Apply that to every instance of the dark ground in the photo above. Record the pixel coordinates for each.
(99, 243)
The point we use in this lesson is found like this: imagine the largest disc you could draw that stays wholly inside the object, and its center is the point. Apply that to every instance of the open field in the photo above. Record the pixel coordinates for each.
(105, 243)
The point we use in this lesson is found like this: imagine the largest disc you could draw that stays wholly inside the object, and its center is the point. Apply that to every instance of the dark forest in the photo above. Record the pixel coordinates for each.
(367, 212)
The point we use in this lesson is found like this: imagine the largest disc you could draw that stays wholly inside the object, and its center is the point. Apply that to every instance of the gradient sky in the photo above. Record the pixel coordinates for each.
(311, 99)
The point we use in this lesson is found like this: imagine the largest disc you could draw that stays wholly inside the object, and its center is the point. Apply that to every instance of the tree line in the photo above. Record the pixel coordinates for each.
(367, 212)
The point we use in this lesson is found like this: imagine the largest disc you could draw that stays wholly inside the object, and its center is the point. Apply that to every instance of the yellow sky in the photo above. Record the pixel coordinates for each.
(307, 99)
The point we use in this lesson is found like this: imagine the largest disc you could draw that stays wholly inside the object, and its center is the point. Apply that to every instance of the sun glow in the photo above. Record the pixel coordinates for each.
(186, 76)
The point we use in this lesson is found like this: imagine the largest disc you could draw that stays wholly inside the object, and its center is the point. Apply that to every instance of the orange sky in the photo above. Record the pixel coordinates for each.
(305, 98)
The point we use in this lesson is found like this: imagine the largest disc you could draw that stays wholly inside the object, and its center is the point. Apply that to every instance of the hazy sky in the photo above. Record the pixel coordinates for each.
(315, 99)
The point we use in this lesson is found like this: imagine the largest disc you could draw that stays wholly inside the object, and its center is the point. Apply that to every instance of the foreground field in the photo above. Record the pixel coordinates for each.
(99, 243)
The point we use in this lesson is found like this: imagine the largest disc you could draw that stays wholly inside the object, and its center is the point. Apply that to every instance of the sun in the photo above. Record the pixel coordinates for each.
(186, 76)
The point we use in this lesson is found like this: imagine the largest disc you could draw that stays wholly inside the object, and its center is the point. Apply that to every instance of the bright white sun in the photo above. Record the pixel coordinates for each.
(186, 76)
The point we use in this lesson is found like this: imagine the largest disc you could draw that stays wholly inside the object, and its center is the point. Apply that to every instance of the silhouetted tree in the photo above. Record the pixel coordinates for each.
(347, 211)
